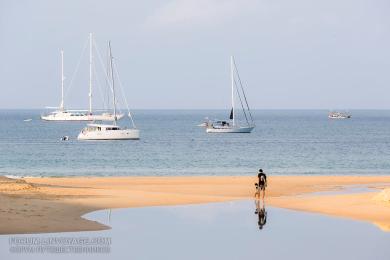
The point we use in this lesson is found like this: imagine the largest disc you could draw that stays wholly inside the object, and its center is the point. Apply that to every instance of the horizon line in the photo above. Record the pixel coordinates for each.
(101, 109)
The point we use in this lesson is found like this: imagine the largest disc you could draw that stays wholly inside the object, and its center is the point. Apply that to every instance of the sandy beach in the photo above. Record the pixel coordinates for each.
(38, 205)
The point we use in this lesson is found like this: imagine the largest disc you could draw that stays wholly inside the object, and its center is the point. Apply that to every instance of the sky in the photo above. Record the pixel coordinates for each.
(175, 54)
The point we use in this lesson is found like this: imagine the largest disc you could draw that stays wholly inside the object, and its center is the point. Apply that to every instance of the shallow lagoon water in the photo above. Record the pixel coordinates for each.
(223, 231)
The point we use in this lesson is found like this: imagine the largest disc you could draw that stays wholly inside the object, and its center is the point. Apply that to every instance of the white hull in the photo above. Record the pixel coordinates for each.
(61, 116)
(339, 117)
(123, 134)
(247, 129)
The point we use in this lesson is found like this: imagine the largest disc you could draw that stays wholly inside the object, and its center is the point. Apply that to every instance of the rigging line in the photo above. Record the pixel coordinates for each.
(76, 70)
(99, 87)
(106, 72)
(108, 76)
(242, 89)
(242, 105)
(109, 81)
(111, 61)
(123, 94)
(112, 80)
(243, 92)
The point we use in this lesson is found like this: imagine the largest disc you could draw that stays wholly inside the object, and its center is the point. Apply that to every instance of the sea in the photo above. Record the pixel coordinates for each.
(284, 142)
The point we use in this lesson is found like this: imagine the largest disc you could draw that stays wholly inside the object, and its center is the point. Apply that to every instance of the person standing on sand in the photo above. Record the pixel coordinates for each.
(262, 182)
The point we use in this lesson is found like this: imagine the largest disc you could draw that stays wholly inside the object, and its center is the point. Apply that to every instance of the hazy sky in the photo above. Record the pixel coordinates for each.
(175, 54)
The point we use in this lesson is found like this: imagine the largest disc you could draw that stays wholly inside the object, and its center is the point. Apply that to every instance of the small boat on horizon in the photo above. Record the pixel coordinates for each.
(231, 125)
(338, 115)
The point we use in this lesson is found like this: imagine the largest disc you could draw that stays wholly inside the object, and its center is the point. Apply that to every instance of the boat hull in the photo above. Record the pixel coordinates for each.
(123, 134)
(102, 117)
(339, 117)
(247, 129)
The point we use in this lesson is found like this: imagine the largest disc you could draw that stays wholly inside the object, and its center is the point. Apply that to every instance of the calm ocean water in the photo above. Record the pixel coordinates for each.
(284, 142)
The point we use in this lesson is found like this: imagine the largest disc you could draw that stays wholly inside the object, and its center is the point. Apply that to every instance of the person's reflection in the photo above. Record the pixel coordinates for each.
(261, 213)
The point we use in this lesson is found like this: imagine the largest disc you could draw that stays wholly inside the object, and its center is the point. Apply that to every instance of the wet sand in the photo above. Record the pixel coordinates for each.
(38, 205)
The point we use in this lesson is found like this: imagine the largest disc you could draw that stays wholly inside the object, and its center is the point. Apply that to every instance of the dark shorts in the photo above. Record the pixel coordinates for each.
(261, 187)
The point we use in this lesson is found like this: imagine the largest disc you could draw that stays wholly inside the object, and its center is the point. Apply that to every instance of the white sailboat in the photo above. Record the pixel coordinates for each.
(62, 114)
(106, 131)
(231, 125)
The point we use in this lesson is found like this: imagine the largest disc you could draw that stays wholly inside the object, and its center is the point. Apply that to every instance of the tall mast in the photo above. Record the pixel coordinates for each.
(232, 78)
(90, 73)
(112, 82)
(62, 81)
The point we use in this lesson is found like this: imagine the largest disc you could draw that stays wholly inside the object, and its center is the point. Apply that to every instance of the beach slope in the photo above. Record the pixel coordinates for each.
(38, 205)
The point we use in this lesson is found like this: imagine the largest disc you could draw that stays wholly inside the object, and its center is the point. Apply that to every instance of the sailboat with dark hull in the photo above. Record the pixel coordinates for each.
(231, 125)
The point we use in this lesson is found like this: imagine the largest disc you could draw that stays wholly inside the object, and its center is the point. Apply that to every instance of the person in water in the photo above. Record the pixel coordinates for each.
(262, 184)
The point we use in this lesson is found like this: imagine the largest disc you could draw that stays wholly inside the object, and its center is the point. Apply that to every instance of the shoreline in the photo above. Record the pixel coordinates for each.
(56, 204)
(192, 174)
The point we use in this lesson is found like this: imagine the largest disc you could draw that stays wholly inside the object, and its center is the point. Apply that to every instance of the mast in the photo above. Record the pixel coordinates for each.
(62, 81)
(112, 82)
(232, 78)
(90, 73)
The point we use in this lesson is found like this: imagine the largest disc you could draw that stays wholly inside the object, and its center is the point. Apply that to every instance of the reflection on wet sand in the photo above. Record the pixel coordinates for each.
(227, 231)
(261, 213)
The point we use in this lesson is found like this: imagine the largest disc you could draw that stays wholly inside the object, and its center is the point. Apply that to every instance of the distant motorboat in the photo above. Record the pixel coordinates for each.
(232, 126)
(27, 120)
(338, 115)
